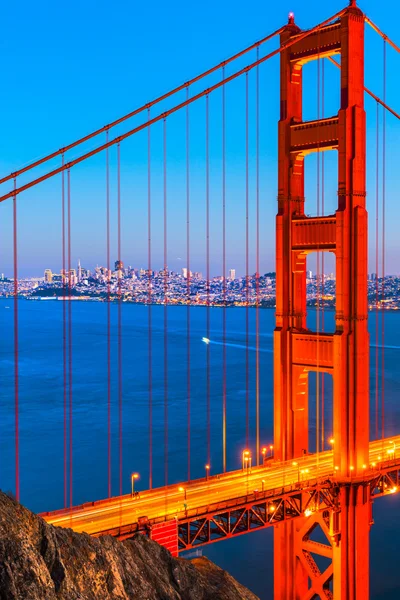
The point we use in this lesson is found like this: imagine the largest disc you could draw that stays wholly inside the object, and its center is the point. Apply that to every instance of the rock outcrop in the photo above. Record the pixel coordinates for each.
(42, 562)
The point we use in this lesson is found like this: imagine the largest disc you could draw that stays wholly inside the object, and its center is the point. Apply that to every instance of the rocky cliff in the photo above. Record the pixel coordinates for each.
(42, 562)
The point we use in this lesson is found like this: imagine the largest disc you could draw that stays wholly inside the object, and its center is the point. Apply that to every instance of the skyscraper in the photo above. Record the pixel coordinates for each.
(79, 271)
(119, 265)
(232, 274)
(48, 276)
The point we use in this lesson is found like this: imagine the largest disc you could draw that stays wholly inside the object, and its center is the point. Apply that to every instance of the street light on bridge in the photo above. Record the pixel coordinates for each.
(246, 459)
(182, 489)
(392, 451)
(133, 477)
(207, 468)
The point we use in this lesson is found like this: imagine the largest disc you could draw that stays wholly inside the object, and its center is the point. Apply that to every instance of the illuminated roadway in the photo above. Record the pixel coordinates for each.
(197, 495)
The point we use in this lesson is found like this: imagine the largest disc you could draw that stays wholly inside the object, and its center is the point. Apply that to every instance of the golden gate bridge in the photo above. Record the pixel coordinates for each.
(296, 491)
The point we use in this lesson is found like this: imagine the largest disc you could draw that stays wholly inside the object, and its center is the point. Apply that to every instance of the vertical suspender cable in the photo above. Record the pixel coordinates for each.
(208, 280)
(223, 281)
(188, 281)
(119, 318)
(317, 418)
(247, 256)
(64, 309)
(383, 242)
(323, 259)
(108, 321)
(376, 278)
(257, 261)
(16, 362)
(150, 310)
(69, 339)
(165, 308)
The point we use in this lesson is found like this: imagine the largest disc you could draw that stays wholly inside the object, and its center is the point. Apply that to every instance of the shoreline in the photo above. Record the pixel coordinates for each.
(170, 304)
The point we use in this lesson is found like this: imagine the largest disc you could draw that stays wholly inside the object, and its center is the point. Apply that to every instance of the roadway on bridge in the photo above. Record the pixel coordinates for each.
(167, 502)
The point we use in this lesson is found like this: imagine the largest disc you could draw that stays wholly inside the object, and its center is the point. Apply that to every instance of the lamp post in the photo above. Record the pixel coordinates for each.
(133, 477)
(303, 472)
(271, 448)
(207, 468)
(264, 453)
(181, 489)
(262, 484)
(296, 464)
(246, 458)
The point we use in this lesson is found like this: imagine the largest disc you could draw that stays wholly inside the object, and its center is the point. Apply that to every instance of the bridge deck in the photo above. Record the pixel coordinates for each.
(224, 491)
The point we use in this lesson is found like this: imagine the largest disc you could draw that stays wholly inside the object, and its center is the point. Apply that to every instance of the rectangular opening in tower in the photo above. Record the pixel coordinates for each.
(320, 411)
(321, 88)
(320, 183)
(321, 291)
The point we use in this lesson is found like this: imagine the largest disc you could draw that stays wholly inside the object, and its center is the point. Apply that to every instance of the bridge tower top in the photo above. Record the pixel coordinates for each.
(298, 350)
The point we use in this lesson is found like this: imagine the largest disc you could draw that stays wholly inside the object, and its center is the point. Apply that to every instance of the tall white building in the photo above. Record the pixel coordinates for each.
(232, 274)
(48, 276)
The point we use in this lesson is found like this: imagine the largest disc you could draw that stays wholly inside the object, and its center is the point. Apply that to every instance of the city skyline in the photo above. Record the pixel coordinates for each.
(41, 130)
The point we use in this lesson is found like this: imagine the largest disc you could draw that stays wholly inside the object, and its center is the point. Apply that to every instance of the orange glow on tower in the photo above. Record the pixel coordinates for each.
(298, 350)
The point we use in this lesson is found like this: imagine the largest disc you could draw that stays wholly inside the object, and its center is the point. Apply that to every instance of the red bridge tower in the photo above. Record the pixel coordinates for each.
(345, 353)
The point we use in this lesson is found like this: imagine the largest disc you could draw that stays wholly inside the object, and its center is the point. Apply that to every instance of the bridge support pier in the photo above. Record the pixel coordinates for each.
(351, 551)
(326, 554)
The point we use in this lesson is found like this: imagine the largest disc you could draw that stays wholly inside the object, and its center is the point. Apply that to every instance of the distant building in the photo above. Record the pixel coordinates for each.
(184, 272)
(48, 276)
(72, 277)
(197, 275)
(232, 274)
(79, 271)
(309, 274)
(119, 265)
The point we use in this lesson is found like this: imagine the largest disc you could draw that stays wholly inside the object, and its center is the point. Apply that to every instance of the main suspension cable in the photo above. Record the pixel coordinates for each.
(172, 110)
(383, 35)
(135, 112)
(368, 91)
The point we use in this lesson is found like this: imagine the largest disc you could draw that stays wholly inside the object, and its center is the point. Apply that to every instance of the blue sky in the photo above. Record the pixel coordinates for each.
(68, 69)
